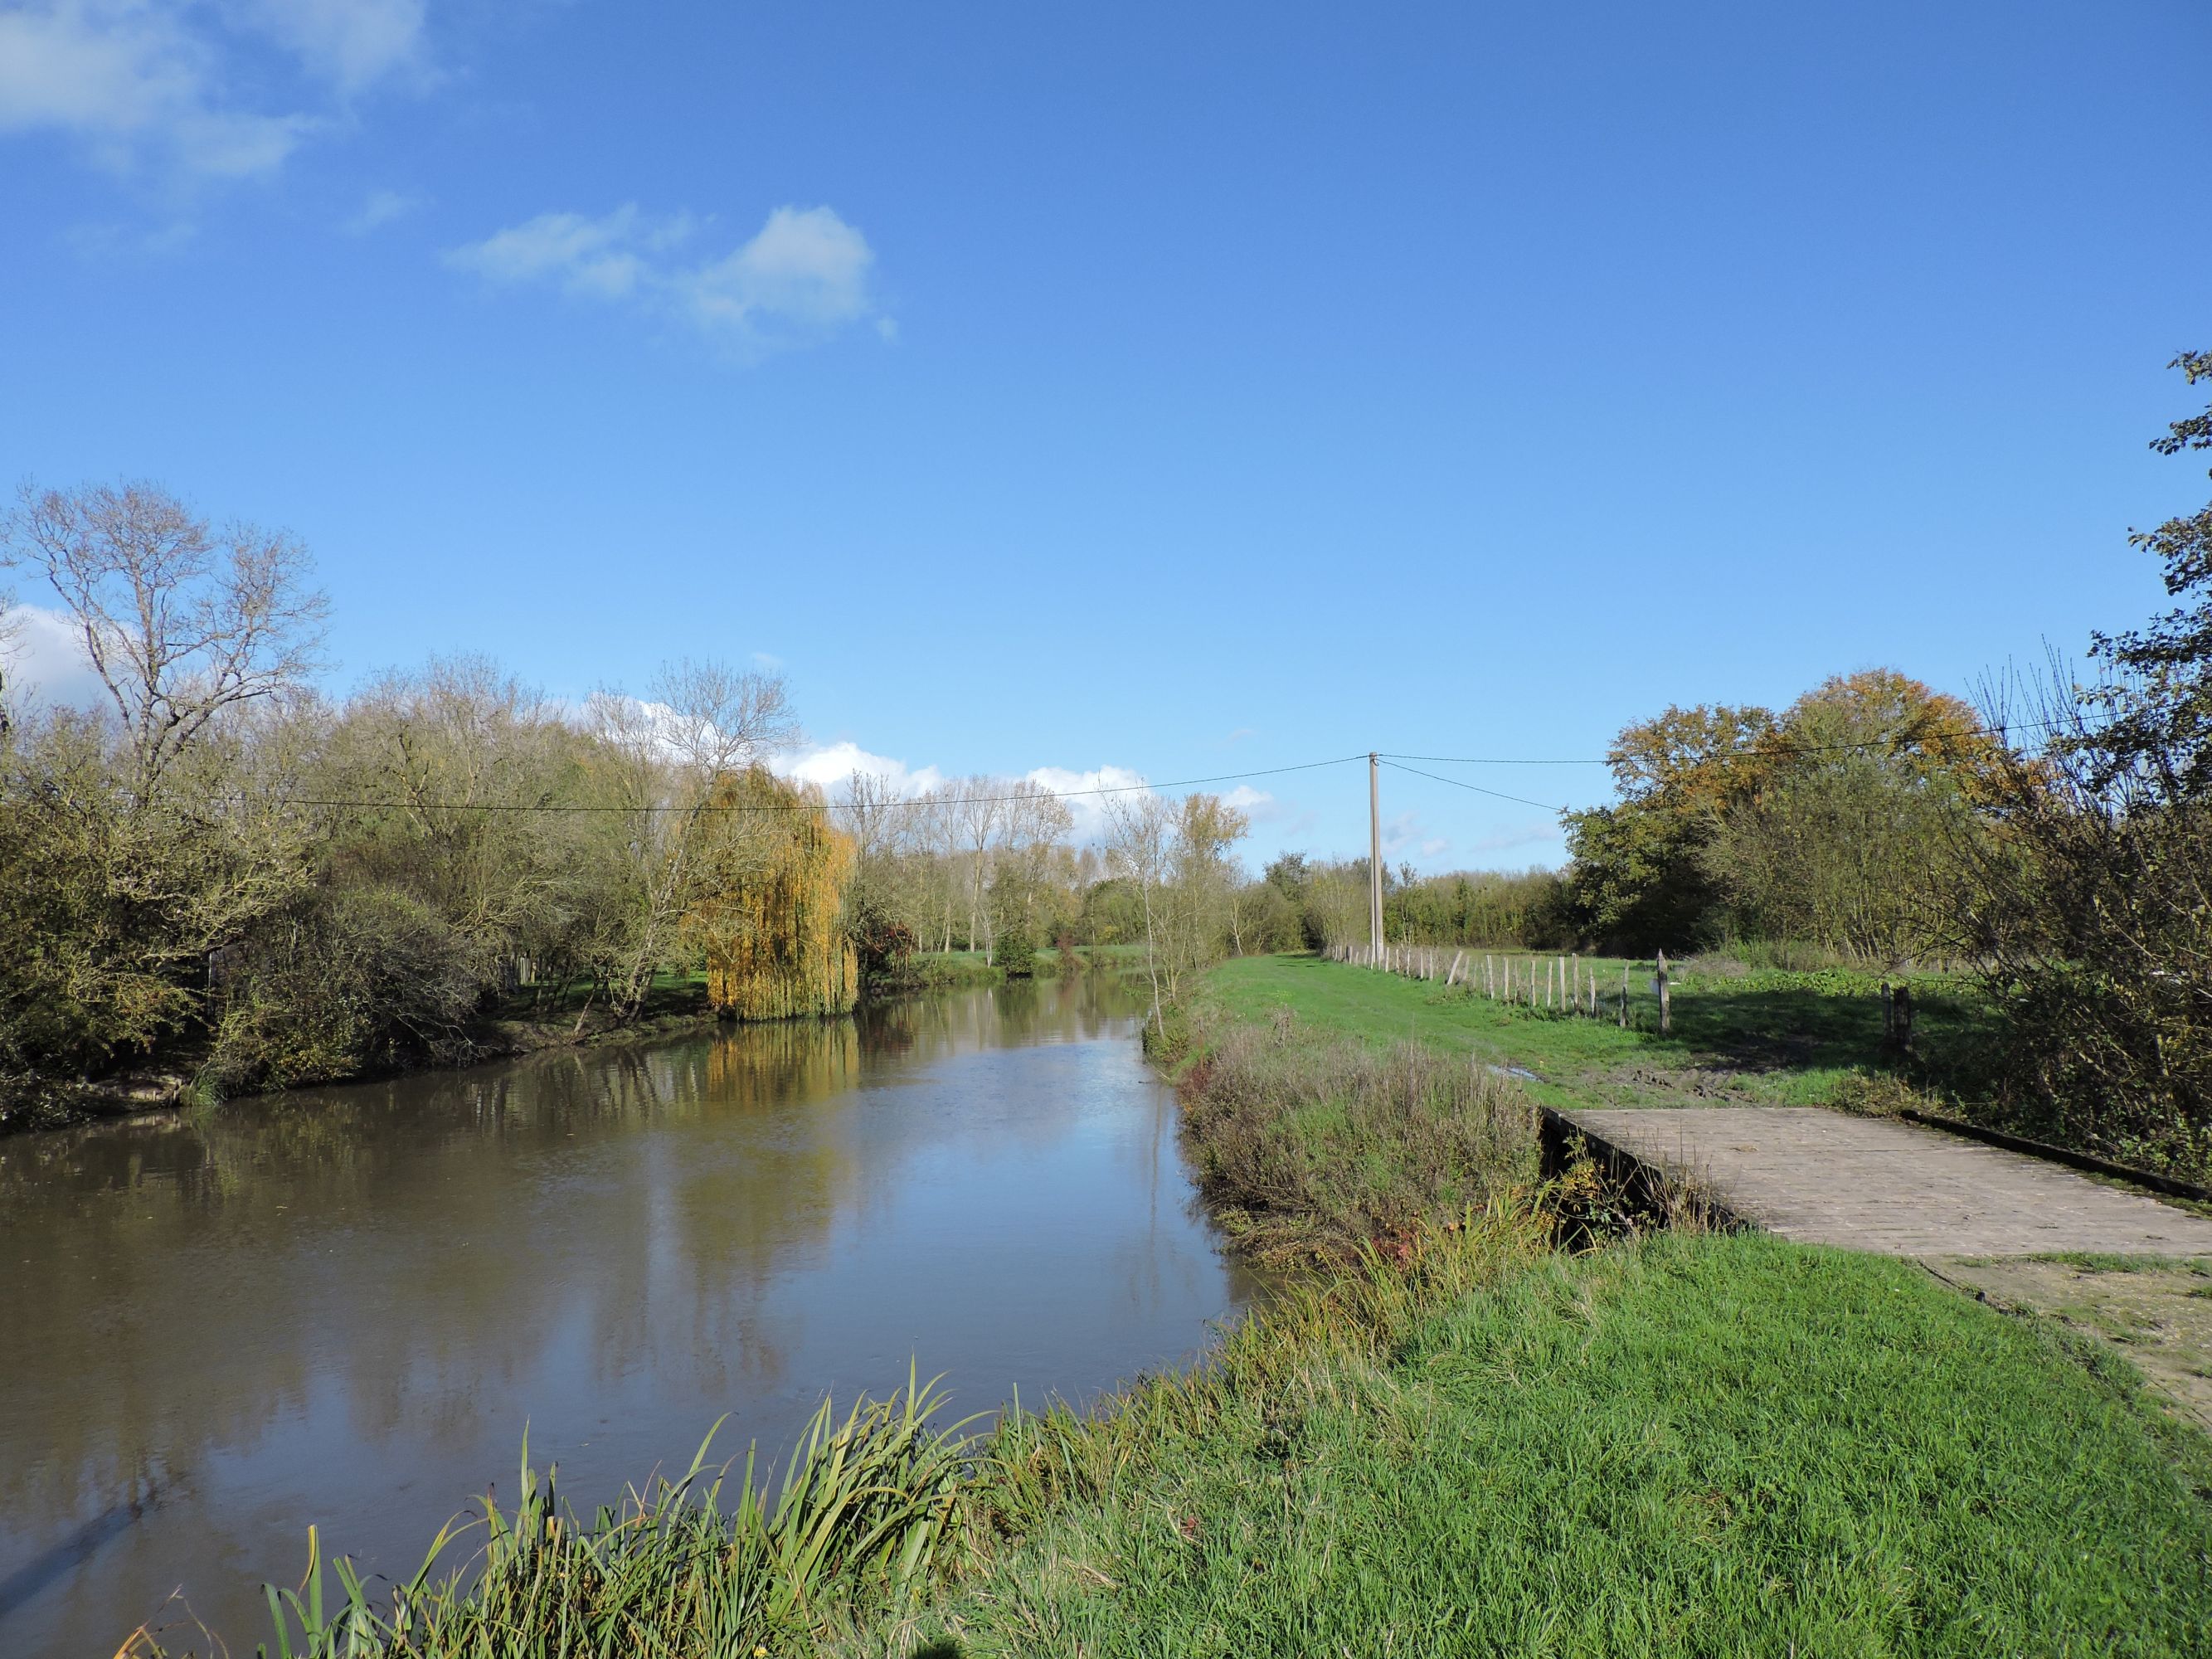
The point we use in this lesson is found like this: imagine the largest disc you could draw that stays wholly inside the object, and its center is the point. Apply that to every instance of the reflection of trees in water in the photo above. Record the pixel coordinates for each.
(1081, 1007)
(434, 1244)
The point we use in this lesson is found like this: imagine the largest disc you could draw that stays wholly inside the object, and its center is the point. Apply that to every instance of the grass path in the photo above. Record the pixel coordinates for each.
(1766, 1039)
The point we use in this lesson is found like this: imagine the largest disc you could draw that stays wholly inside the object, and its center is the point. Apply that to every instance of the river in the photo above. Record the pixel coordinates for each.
(345, 1306)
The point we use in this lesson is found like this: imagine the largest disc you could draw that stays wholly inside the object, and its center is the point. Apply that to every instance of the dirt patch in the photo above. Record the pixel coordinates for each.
(2156, 1312)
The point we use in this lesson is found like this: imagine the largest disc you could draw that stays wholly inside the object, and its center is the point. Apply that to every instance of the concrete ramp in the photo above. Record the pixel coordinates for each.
(1897, 1189)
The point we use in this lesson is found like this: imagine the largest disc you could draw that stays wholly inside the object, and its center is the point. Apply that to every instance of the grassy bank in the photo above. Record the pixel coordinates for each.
(1760, 1036)
(1442, 1436)
(1718, 1445)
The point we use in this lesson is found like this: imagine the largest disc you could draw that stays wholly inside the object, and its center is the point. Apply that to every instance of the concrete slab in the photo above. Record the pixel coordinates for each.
(1877, 1184)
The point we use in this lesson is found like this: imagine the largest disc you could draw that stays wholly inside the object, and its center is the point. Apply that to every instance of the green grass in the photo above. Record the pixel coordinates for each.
(1715, 1445)
(2092, 1261)
(1779, 1038)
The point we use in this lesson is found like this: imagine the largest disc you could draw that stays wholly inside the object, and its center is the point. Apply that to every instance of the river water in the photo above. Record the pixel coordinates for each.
(343, 1307)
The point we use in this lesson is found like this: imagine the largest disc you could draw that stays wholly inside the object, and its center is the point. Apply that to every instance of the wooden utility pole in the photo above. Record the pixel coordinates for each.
(1375, 853)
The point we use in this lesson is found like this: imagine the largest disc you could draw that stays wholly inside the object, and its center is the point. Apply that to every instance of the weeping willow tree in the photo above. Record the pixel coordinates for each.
(770, 915)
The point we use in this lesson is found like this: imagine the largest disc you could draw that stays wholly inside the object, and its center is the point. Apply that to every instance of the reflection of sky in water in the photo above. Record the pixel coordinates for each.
(343, 1307)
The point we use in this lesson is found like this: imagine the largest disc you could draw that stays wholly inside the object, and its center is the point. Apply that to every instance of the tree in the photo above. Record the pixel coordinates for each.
(2091, 902)
(769, 906)
(705, 723)
(1138, 829)
(1841, 828)
(1640, 876)
(1015, 946)
(182, 621)
(137, 848)
(2158, 708)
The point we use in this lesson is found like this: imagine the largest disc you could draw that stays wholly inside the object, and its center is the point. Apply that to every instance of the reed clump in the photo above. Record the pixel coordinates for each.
(1318, 1146)
(722, 1561)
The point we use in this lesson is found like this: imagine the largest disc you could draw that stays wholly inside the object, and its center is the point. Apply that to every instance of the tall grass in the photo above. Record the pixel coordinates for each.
(712, 1563)
(1314, 1144)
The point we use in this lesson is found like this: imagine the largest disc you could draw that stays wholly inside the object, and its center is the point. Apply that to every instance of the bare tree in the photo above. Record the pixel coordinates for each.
(941, 829)
(704, 722)
(975, 800)
(878, 816)
(182, 621)
(1138, 828)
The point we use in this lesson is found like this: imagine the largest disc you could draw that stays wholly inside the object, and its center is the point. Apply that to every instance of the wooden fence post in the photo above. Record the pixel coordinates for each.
(1666, 999)
(1624, 996)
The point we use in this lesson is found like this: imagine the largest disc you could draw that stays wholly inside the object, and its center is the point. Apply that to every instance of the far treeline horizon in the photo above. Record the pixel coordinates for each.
(223, 881)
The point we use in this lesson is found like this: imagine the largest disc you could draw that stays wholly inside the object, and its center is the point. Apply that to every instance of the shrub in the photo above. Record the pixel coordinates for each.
(366, 979)
(1014, 950)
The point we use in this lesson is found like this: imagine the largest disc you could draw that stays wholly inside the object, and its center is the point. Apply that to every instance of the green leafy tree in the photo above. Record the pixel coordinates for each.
(1640, 877)
(1014, 947)
(2158, 711)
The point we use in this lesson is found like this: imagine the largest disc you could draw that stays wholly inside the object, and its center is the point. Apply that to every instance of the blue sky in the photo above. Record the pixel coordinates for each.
(1177, 389)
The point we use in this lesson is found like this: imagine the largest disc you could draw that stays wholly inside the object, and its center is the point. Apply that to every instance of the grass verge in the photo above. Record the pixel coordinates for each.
(1714, 1445)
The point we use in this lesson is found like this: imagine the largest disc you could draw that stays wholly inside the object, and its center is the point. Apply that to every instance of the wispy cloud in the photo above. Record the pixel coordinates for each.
(352, 44)
(170, 83)
(1535, 832)
(803, 278)
(43, 655)
(379, 208)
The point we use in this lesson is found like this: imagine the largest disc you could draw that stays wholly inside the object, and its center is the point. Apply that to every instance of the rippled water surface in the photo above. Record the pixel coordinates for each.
(343, 1307)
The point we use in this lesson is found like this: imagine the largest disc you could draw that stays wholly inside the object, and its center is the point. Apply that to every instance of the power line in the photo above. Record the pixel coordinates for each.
(804, 806)
(1395, 761)
(1455, 783)
(1906, 734)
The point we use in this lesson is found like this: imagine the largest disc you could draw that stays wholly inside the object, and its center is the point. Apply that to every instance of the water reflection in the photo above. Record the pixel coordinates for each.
(343, 1306)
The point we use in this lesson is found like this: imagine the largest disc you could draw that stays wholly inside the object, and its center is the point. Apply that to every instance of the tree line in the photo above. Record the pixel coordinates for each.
(220, 872)
(2052, 840)
(221, 866)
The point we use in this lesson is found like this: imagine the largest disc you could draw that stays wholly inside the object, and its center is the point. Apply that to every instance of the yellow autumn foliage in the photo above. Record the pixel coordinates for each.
(771, 919)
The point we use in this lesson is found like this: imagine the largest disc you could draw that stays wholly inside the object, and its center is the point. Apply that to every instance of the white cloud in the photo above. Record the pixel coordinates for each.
(380, 208)
(604, 258)
(353, 44)
(831, 764)
(802, 277)
(42, 655)
(1258, 805)
(1086, 808)
(806, 269)
(140, 81)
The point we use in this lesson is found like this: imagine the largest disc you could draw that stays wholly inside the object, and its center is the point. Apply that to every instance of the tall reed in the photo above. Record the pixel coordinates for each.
(715, 1563)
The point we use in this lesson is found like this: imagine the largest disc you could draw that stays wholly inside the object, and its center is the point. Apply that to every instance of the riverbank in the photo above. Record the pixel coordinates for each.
(1447, 1435)
(530, 1021)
